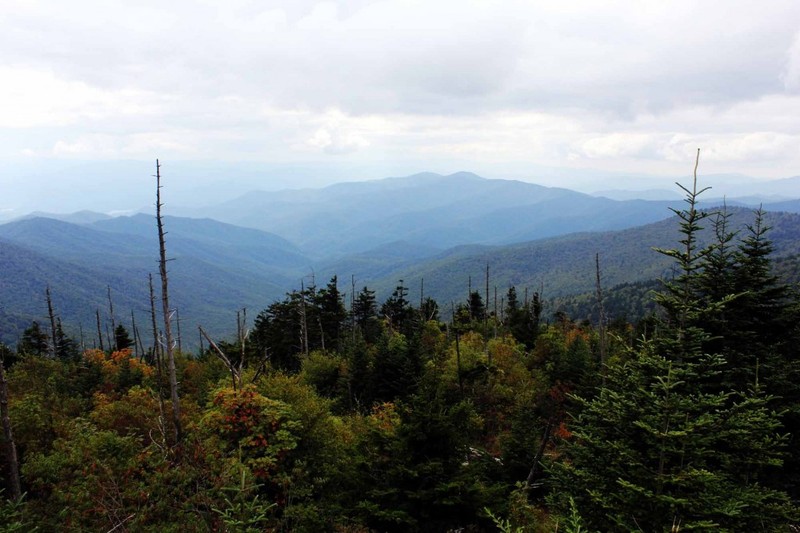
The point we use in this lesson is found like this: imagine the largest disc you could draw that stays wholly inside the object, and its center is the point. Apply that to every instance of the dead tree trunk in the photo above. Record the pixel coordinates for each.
(156, 345)
(113, 340)
(242, 334)
(236, 375)
(162, 267)
(533, 474)
(53, 337)
(11, 447)
(99, 331)
(136, 343)
(178, 324)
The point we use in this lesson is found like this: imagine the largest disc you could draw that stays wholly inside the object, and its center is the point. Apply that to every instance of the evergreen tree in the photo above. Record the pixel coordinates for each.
(277, 332)
(66, 347)
(122, 338)
(398, 311)
(523, 320)
(654, 452)
(34, 341)
(661, 447)
(365, 314)
(475, 305)
(331, 312)
(429, 310)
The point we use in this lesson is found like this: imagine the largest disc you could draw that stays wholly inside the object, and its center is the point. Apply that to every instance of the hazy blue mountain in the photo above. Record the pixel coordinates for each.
(429, 209)
(737, 188)
(79, 217)
(444, 229)
(214, 241)
(790, 206)
(647, 194)
(217, 269)
(561, 265)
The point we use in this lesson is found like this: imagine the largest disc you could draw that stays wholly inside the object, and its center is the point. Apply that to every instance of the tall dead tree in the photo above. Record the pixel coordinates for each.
(495, 311)
(162, 267)
(136, 341)
(236, 373)
(154, 324)
(178, 323)
(242, 334)
(138, 338)
(99, 331)
(53, 337)
(113, 340)
(83, 341)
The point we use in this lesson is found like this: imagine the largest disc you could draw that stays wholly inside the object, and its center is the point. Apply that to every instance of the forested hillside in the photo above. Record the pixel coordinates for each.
(220, 268)
(327, 413)
(217, 269)
(427, 209)
(559, 266)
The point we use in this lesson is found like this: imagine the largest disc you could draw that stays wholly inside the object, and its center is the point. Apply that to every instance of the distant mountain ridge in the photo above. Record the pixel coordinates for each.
(430, 209)
(444, 229)
(218, 269)
(564, 265)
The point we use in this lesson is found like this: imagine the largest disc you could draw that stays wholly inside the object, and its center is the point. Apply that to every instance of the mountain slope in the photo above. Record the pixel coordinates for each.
(429, 209)
(562, 265)
(217, 271)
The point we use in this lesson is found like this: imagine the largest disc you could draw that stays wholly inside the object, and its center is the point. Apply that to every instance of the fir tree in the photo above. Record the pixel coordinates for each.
(661, 447)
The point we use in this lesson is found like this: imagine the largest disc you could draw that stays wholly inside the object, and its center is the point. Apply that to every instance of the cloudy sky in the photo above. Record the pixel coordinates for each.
(378, 88)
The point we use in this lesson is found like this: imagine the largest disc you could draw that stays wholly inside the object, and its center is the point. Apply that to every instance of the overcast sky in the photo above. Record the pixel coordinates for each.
(400, 86)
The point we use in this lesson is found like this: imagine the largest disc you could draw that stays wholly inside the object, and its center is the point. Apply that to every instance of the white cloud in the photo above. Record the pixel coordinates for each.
(791, 73)
(639, 85)
(618, 144)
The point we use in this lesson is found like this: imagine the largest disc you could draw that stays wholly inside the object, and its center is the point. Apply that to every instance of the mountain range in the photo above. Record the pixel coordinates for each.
(250, 251)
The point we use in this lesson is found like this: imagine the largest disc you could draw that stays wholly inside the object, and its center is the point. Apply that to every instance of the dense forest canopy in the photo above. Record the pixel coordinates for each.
(332, 410)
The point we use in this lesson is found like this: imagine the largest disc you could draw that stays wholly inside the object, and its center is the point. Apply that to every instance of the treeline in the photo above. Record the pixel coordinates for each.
(327, 415)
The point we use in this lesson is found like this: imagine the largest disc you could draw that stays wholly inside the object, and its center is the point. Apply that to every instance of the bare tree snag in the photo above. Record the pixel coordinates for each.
(11, 447)
(533, 474)
(242, 333)
(162, 267)
(156, 345)
(235, 373)
(138, 337)
(113, 340)
(99, 331)
(135, 340)
(178, 324)
(495, 311)
(53, 337)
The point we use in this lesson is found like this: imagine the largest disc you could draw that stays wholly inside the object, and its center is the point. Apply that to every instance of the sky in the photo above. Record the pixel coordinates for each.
(269, 94)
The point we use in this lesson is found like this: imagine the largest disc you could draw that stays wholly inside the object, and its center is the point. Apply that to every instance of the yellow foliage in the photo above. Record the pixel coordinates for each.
(111, 364)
